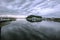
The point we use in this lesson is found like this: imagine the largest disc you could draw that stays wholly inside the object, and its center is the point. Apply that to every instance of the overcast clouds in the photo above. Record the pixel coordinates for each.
(27, 7)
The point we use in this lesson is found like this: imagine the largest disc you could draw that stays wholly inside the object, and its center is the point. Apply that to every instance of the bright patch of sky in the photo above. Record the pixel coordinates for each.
(28, 7)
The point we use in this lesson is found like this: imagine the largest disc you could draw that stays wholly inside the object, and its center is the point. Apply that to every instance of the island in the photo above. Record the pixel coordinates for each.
(34, 18)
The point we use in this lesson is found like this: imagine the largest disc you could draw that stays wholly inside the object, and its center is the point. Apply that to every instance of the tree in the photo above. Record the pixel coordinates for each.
(33, 18)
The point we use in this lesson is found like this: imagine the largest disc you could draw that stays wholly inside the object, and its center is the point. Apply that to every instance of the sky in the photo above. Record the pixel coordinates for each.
(48, 8)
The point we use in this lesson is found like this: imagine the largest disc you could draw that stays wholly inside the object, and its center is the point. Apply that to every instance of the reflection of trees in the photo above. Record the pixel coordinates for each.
(4, 23)
(56, 19)
(53, 19)
(5, 20)
(33, 18)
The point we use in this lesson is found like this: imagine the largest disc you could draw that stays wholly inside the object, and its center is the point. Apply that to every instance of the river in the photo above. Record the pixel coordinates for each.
(49, 28)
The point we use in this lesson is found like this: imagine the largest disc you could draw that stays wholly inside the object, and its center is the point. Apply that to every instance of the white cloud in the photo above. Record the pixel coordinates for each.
(46, 11)
(40, 7)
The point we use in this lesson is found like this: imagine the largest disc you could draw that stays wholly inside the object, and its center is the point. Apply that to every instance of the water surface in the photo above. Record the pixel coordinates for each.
(49, 28)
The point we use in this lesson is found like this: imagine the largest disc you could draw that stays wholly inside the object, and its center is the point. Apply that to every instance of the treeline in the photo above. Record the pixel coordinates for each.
(57, 19)
(7, 18)
(53, 19)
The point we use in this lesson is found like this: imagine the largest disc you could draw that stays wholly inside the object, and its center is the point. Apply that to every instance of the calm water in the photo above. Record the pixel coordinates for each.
(49, 28)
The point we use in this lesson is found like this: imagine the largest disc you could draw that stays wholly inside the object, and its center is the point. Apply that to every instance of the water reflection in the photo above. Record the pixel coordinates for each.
(6, 20)
(34, 21)
(43, 20)
(34, 18)
(47, 30)
(4, 23)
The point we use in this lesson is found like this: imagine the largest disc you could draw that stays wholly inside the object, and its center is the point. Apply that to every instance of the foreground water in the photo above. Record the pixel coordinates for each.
(49, 28)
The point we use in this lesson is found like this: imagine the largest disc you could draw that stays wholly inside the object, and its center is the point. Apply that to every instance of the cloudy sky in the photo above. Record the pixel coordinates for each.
(28, 7)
